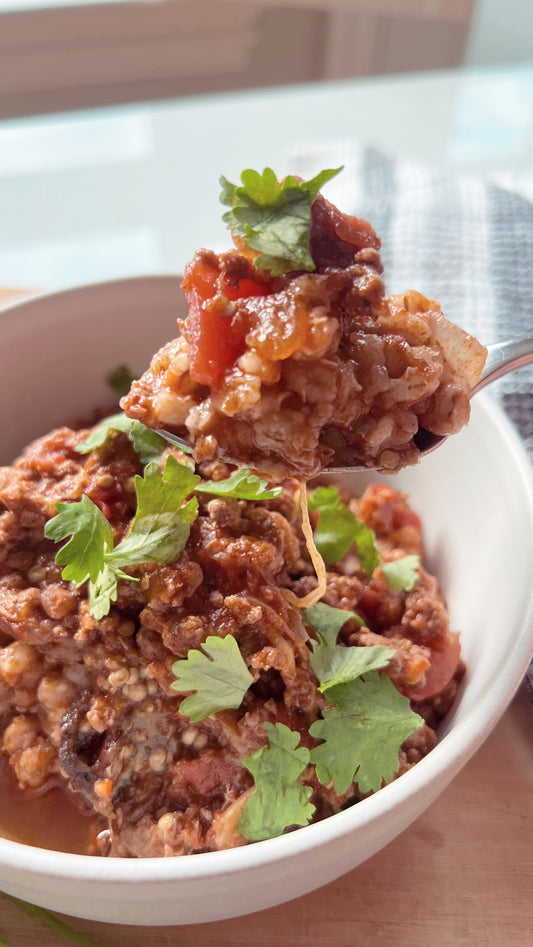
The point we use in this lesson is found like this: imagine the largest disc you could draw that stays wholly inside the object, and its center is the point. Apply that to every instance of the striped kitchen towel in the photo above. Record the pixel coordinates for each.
(453, 237)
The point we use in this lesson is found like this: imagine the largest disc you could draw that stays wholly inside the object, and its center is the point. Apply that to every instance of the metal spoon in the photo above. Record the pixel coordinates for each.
(502, 358)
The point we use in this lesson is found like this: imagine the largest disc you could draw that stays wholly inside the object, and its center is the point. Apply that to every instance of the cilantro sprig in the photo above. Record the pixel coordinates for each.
(368, 719)
(217, 674)
(90, 535)
(148, 444)
(279, 800)
(362, 733)
(402, 573)
(336, 664)
(158, 533)
(274, 218)
(338, 529)
(242, 485)
(161, 525)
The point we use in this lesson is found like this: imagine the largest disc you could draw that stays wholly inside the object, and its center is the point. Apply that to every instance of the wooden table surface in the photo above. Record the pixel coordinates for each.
(462, 874)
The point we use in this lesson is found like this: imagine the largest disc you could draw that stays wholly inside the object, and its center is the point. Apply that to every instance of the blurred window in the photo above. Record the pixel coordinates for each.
(67, 54)
(70, 54)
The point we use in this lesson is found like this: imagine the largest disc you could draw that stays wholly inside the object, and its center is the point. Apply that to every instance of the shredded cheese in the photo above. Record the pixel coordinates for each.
(318, 563)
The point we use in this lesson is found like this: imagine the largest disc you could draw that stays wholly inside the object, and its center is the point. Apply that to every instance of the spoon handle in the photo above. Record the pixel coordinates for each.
(504, 357)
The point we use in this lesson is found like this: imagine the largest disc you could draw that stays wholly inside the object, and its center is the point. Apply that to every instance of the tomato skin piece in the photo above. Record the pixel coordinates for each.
(441, 670)
(215, 334)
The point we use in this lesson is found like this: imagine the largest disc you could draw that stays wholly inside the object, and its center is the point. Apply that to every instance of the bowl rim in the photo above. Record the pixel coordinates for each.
(35, 298)
(457, 745)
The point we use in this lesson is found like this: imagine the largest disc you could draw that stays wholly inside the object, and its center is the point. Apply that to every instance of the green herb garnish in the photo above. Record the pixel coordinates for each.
(336, 664)
(328, 621)
(120, 380)
(217, 674)
(148, 444)
(161, 526)
(402, 573)
(274, 218)
(158, 533)
(338, 529)
(362, 733)
(279, 799)
(91, 535)
(242, 485)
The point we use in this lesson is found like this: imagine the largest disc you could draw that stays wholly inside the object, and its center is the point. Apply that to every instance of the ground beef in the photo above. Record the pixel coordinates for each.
(295, 374)
(87, 705)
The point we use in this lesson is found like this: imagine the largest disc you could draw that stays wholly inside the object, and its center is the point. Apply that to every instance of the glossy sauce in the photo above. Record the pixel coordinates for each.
(50, 821)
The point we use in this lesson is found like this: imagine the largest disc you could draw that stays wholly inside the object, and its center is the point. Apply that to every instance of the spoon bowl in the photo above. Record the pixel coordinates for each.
(502, 358)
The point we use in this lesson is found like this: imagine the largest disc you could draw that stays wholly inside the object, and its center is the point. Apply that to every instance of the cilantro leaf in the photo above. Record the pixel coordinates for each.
(91, 536)
(335, 664)
(104, 589)
(148, 444)
(242, 485)
(115, 422)
(362, 733)
(402, 573)
(338, 529)
(274, 218)
(328, 621)
(161, 524)
(120, 379)
(279, 800)
(158, 533)
(219, 677)
(340, 665)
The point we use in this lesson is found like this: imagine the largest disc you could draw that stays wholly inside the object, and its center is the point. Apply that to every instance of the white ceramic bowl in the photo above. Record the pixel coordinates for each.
(475, 495)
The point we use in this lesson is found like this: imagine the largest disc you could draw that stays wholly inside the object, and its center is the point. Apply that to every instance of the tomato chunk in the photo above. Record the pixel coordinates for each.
(215, 333)
(441, 670)
(245, 287)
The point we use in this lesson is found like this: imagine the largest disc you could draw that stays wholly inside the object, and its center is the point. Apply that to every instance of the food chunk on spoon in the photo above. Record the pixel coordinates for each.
(292, 359)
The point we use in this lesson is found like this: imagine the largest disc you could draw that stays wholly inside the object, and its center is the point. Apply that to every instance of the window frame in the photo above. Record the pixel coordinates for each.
(74, 56)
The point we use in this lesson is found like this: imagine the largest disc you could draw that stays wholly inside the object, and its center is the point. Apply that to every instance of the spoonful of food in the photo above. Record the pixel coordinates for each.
(293, 361)
(502, 358)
